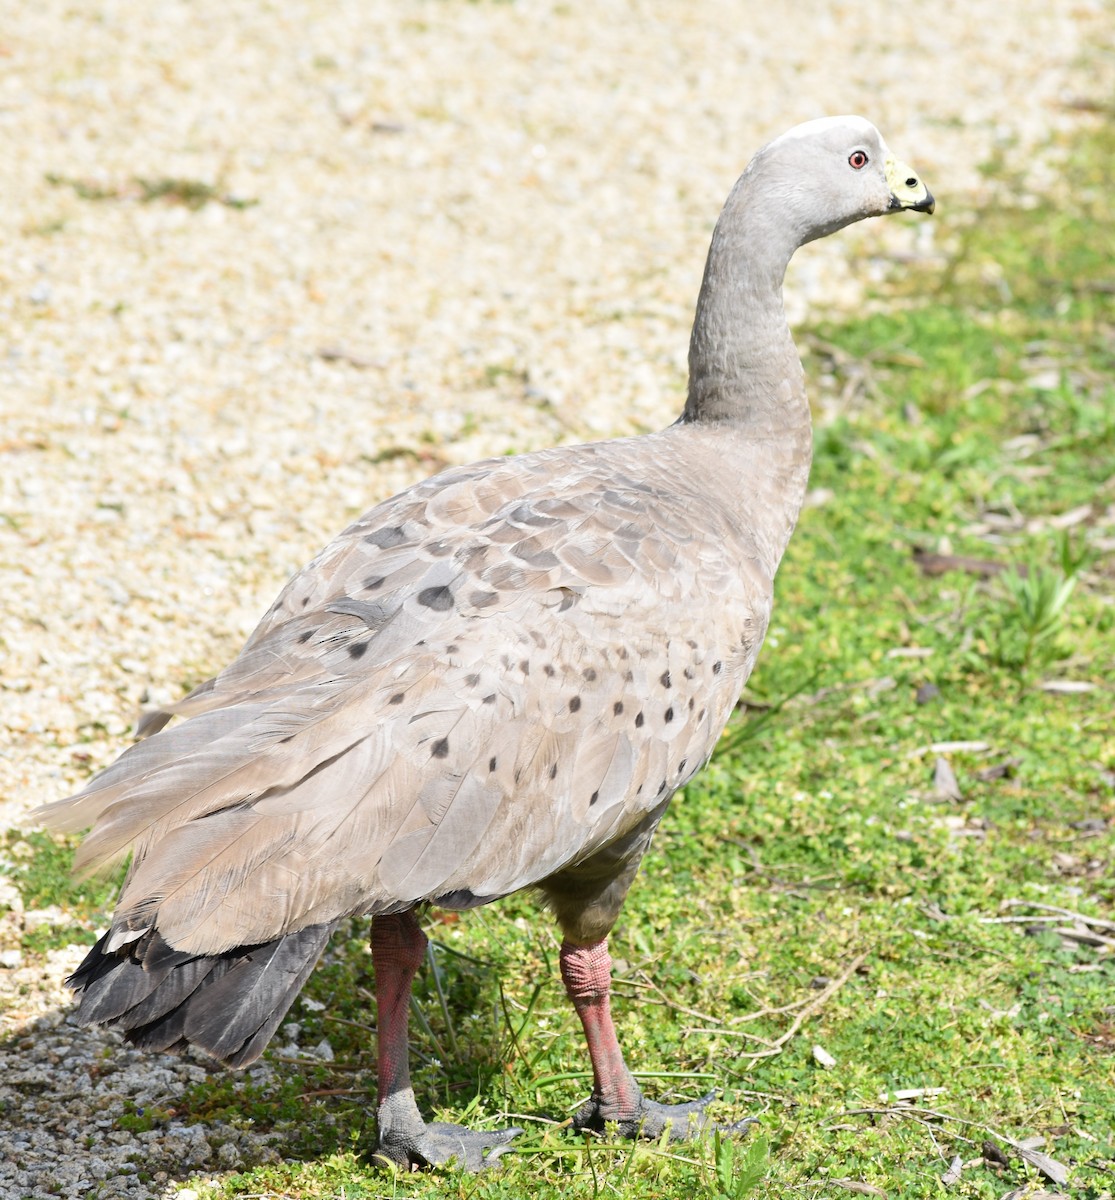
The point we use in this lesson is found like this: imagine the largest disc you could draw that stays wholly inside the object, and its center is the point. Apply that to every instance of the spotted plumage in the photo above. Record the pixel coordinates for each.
(360, 733)
(495, 680)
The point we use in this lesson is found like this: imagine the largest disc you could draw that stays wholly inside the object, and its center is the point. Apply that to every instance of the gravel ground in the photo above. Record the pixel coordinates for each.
(262, 265)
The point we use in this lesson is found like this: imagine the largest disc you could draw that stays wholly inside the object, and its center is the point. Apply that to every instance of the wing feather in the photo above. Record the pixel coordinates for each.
(461, 695)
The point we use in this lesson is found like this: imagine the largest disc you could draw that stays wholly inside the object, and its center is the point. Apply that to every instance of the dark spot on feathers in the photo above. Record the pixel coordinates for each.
(440, 748)
(553, 771)
(593, 798)
(691, 644)
(681, 765)
(701, 714)
(397, 698)
(629, 676)
(385, 538)
(305, 601)
(490, 698)
(452, 648)
(289, 738)
(472, 680)
(358, 649)
(588, 675)
(623, 653)
(530, 550)
(639, 721)
(692, 701)
(491, 764)
(373, 582)
(549, 669)
(575, 704)
(664, 679)
(524, 666)
(305, 637)
(523, 514)
(568, 599)
(688, 672)
(617, 708)
(717, 667)
(662, 787)
(439, 599)
(669, 715)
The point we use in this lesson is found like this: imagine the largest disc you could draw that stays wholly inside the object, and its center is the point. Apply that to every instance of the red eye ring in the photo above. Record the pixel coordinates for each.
(857, 160)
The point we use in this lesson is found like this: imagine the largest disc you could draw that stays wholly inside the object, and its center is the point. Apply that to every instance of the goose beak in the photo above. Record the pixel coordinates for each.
(906, 189)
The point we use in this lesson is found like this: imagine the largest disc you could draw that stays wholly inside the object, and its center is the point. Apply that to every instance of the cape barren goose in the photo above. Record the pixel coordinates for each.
(495, 680)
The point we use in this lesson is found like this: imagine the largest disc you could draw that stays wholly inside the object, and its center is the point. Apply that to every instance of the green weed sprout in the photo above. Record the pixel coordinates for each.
(737, 1174)
(1037, 599)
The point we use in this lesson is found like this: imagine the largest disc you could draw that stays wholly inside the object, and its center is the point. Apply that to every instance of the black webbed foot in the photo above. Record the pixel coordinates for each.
(651, 1119)
(408, 1142)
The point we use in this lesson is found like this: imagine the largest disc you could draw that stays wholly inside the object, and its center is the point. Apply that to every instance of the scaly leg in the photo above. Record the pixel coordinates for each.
(587, 973)
(398, 947)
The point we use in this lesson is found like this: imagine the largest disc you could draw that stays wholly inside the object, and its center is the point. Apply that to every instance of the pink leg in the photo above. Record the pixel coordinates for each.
(587, 973)
(398, 947)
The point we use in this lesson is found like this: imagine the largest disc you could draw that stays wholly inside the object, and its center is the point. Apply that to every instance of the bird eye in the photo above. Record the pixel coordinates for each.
(857, 160)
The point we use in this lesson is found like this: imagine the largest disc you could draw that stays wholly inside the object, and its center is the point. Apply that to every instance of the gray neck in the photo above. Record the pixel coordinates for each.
(743, 367)
(747, 404)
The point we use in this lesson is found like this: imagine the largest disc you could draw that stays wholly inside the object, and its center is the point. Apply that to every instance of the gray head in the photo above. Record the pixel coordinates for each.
(810, 182)
(828, 173)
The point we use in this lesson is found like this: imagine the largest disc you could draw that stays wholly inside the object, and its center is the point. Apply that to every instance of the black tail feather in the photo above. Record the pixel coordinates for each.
(243, 1009)
(227, 1005)
(190, 976)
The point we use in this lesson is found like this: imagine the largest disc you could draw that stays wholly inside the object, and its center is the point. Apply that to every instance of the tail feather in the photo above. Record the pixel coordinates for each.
(227, 1005)
(112, 984)
(188, 978)
(243, 1008)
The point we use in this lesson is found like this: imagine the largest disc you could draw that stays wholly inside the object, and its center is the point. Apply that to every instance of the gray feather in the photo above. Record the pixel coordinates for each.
(493, 680)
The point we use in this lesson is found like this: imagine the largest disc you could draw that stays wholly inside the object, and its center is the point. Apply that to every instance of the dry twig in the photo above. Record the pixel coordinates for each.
(815, 1005)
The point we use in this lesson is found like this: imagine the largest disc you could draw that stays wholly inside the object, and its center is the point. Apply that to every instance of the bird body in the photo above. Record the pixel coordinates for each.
(481, 682)
(494, 680)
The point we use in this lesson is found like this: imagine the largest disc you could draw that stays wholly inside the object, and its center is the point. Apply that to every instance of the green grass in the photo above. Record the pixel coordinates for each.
(812, 888)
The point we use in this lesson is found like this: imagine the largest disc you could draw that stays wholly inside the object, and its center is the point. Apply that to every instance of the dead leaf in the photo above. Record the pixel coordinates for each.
(1027, 1194)
(945, 783)
(951, 748)
(952, 1175)
(1084, 936)
(999, 770)
(822, 1056)
(341, 354)
(994, 1154)
(939, 564)
(900, 1094)
(1074, 516)
(935, 912)
(862, 1189)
